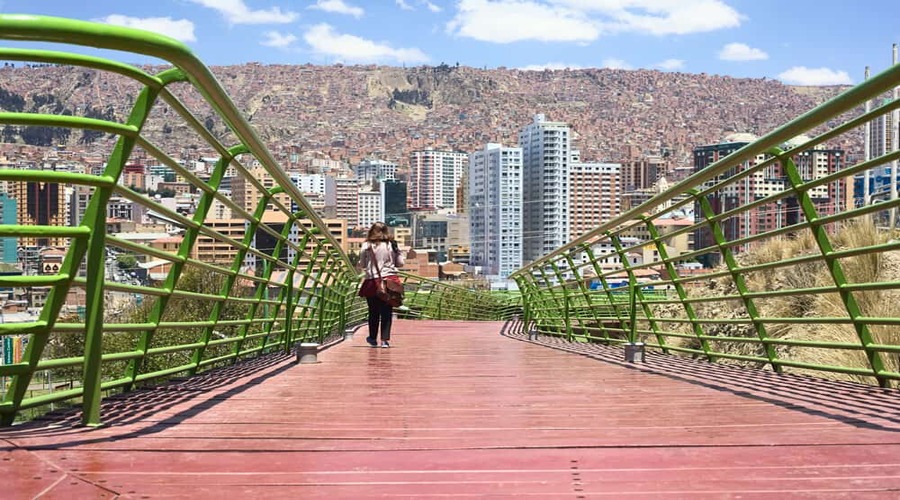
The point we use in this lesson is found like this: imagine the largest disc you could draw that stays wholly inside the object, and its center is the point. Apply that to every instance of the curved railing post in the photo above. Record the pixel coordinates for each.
(96, 254)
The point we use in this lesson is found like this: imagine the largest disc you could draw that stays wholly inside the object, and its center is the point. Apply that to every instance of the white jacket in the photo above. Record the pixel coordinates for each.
(388, 261)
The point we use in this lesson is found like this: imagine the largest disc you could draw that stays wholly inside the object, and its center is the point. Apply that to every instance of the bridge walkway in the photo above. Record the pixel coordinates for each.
(466, 409)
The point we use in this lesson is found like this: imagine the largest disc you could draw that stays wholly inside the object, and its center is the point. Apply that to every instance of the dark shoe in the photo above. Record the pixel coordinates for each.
(372, 342)
(385, 344)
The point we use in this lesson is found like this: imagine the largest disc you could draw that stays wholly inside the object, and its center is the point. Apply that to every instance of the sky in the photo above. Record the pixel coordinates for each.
(800, 42)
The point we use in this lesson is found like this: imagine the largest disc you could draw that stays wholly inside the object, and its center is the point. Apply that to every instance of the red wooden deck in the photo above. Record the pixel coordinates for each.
(455, 409)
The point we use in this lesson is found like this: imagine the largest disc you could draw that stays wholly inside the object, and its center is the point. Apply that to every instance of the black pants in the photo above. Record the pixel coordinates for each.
(379, 312)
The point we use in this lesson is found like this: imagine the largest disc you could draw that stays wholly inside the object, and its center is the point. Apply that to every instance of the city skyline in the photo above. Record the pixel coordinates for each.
(794, 42)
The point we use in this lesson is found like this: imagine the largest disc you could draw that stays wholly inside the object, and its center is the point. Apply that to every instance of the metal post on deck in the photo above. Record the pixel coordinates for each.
(348, 333)
(635, 353)
(307, 353)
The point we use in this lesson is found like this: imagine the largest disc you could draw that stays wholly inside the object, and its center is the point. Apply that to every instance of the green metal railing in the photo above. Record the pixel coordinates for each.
(430, 299)
(99, 333)
(799, 275)
(217, 288)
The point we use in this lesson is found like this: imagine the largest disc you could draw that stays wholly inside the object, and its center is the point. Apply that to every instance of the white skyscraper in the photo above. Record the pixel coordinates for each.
(310, 183)
(545, 166)
(371, 209)
(495, 209)
(434, 177)
(371, 170)
(313, 187)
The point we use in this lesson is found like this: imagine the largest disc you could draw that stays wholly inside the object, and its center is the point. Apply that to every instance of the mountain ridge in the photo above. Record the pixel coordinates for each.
(354, 112)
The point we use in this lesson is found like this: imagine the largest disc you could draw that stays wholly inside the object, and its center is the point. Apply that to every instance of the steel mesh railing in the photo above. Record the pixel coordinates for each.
(767, 256)
(212, 291)
(431, 299)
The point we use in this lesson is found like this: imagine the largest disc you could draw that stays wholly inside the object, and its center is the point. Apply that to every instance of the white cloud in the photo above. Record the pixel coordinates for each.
(671, 64)
(741, 52)
(237, 12)
(613, 63)
(550, 66)
(801, 75)
(276, 39)
(180, 29)
(506, 21)
(338, 7)
(325, 42)
(662, 17)
(405, 5)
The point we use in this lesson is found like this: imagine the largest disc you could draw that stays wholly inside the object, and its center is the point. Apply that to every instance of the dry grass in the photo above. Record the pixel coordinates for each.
(869, 267)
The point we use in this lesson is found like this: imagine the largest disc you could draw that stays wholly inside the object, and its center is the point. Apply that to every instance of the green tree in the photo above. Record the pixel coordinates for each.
(126, 261)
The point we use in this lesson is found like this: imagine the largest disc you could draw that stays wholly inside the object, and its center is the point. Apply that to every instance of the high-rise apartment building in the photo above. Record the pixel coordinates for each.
(342, 193)
(546, 154)
(434, 177)
(375, 170)
(881, 141)
(642, 173)
(219, 210)
(8, 246)
(595, 196)
(78, 202)
(393, 194)
(371, 209)
(812, 164)
(314, 188)
(727, 198)
(495, 209)
(264, 241)
(247, 196)
(40, 204)
(309, 183)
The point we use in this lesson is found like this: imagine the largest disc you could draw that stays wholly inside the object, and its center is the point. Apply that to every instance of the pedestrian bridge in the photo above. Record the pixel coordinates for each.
(166, 365)
(470, 409)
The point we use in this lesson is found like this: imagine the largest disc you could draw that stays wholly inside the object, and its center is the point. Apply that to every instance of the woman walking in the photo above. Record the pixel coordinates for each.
(380, 257)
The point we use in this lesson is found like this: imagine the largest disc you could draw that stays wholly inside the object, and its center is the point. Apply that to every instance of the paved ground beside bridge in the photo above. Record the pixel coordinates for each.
(456, 409)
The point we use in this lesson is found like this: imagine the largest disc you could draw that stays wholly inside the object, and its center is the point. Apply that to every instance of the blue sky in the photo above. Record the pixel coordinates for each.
(808, 42)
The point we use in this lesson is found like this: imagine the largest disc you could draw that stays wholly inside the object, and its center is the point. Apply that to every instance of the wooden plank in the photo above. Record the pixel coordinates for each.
(455, 409)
